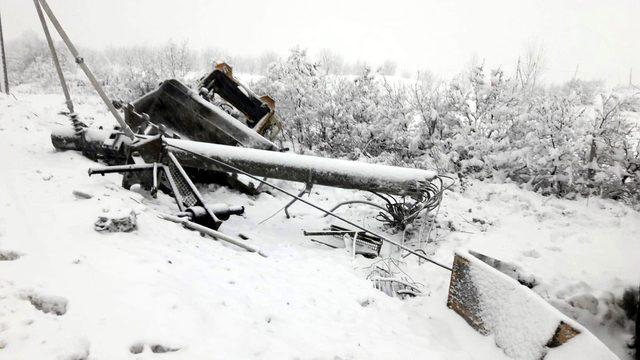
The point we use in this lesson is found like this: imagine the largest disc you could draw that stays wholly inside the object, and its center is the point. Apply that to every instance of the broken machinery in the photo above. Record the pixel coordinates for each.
(174, 136)
(221, 132)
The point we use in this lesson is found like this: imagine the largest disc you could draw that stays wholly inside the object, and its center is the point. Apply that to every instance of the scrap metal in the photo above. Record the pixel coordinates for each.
(175, 119)
(174, 134)
(365, 245)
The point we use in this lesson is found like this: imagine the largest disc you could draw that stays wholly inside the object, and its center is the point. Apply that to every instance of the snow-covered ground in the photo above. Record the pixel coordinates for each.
(165, 292)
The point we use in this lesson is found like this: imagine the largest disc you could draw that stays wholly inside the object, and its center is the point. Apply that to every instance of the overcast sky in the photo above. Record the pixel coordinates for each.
(602, 37)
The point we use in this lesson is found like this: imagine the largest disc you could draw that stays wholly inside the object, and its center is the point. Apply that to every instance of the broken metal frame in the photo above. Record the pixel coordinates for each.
(396, 286)
(370, 245)
(129, 133)
(207, 216)
(175, 110)
(237, 170)
(258, 110)
(190, 214)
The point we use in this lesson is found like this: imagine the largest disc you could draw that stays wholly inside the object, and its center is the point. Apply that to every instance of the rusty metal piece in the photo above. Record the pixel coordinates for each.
(563, 333)
(258, 110)
(463, 296)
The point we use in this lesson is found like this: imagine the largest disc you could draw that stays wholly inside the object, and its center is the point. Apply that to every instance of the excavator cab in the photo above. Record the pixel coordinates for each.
(258, 111)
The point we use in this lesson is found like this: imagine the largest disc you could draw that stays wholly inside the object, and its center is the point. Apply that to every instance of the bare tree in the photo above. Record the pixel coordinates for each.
(388, 68)
(530, 68)
(330, 62)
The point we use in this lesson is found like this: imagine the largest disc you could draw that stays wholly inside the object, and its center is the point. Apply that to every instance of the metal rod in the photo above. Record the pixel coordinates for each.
(154, 190)
(144, 167)
(54, 57)
(4, 60)
(212, 233)
(306, 189)
(120, 168)
(235, 169)
(80, 61)
(356, 202)
(327, 233)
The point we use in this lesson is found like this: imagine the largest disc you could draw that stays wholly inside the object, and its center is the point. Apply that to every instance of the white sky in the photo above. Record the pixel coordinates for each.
(603, 37)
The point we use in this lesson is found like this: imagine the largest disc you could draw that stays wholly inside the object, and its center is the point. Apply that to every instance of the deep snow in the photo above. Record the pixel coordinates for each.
(165, 289)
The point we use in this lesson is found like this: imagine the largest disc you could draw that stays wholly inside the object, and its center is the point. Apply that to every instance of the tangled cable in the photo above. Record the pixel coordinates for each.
(401, 212)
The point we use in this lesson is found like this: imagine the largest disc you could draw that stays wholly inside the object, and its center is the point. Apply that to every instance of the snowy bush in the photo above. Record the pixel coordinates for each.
(613, 158)
(563, 140)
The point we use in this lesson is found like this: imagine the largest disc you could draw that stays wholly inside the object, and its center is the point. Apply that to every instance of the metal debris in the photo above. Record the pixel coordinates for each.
(173, 136)
(366, 245)
(81, 194)
(118, 222)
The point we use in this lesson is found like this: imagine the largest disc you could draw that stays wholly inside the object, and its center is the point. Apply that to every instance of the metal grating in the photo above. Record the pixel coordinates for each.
(188, 197)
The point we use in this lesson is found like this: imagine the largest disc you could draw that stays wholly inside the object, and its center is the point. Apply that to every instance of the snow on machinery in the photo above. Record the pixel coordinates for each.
(175, 136)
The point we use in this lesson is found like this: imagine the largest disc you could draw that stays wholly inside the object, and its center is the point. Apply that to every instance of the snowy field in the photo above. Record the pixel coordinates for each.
(69, 292)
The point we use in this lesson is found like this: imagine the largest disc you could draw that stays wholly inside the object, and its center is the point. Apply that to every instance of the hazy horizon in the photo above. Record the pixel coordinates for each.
(443, 37)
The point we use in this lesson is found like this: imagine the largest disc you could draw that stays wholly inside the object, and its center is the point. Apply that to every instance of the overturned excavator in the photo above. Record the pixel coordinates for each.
(181, 136)
(184, 130)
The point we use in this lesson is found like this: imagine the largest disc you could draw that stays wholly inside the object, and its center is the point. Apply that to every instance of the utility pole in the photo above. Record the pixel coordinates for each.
(4, 60)
(630, 77)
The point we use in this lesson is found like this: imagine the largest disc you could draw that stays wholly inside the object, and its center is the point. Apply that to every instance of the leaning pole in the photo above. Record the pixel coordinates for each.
(4, 60)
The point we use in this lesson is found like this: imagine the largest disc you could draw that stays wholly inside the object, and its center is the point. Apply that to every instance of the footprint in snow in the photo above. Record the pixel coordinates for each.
(48, 304)
(138, 348)
(6, 255)
(531, 253)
